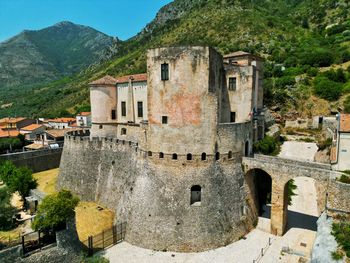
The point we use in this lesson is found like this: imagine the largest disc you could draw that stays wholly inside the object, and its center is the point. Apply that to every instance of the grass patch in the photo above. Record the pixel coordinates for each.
(13, 234)
(47, 180)
(344, 179)
(91, 219)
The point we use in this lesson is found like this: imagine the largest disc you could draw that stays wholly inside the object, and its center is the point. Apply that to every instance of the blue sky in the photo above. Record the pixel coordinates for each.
(121, 18)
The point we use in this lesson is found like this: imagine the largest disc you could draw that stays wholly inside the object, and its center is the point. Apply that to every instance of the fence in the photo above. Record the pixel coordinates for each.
(106, 238)
(262, 251)
(37, 240)
(12, 242)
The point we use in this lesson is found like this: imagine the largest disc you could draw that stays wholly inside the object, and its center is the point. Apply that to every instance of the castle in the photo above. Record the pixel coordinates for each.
(165, 148)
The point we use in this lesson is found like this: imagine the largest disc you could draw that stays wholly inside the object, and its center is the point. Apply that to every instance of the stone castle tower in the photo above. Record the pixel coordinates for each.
(165, 148)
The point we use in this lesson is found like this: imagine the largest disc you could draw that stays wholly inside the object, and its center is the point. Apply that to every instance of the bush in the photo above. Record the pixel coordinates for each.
(7, 211)
(337, 255)
(317, 57)
(327, 89)
(344, 179)
(341, 232)
(291, 187)
(335, 75)
(266, 146)
(54, 210)
(312, 72)
(347, 104)
(324, 144)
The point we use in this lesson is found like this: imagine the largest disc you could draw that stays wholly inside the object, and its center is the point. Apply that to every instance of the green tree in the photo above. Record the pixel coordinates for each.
(291, 187)
(7, 171)
(6, 209)
(54, 210)
(22, 181)
(347, 105)
(266, 146)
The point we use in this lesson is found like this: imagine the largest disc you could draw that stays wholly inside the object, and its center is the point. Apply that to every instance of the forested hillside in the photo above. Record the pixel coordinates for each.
(298, 39)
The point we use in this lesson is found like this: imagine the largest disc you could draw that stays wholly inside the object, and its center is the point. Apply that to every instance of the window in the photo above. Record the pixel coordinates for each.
(123, 131)
(230, 155)
(140, 109)
(233, 117)
(113, 115)
(149, 153)
(123, 108)
(165, 71)
(196, 195)
(189, 157)
(165, 119)
(161, 155)
(217, 156)
(100, 127)
(174, 156)
(232, 83)
(204, 156)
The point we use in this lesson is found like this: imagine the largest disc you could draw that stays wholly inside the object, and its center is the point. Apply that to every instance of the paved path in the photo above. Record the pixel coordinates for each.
(303, 151)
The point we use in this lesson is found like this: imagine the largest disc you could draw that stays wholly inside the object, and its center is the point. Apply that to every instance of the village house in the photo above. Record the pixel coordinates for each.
(83, 119)
(33, 132)
(60, 123)
(15, 123)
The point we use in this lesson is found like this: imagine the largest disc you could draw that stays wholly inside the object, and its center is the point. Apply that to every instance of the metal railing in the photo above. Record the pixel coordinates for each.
(263, 251)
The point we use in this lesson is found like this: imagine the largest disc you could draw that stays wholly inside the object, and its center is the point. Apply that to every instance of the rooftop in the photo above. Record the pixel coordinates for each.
(12, 120)
(62, 120)
(8, 133)
(106, 80)
(32, 127)
(84, 113)
(240, 54)
(134, 78)
(344, 123)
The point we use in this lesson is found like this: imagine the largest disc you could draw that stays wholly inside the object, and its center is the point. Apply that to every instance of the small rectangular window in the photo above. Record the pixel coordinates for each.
(165, 71)
(100, 127)
(233, 117)
(232, 83)
(140, 109)
(113, 115)
(164, 119)
(123, 108)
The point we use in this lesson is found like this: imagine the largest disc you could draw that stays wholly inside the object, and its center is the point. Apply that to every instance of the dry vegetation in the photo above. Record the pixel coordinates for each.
(47, 180)
(92, 220)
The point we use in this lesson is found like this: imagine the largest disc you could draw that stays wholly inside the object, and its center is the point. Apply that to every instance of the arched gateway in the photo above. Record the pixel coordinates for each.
(281, 171)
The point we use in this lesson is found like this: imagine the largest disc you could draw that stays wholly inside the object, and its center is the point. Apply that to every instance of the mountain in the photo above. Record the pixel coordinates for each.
(34, 57)
(297, 38)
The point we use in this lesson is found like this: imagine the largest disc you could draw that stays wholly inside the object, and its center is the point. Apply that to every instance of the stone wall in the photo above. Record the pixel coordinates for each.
(37, 161)
(338, 200)
(152, 194)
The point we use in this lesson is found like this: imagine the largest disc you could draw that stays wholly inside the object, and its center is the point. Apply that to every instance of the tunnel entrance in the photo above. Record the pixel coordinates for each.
(260, 188)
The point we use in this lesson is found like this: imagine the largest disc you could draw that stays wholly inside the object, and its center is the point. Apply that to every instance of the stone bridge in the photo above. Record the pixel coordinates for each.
(281, 171)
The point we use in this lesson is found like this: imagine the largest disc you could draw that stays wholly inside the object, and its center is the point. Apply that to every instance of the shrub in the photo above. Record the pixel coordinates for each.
(337, 255)
(341, 232)
(344, 179)
(266, 146)
(335, 75)
(327, 89)
(324, 144)
(347, 104)
(312, 72)
(291, 187)
(54, 210)
(22, 181)
(317, 57)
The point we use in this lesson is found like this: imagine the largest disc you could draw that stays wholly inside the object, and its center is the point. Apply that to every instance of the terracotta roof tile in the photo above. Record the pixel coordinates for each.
(241, 54)
(12, 120)
(84, 113)
(62, 120)
(135, 78)
(8, 133)
(344, 122)
(106, 80)
(32, 127)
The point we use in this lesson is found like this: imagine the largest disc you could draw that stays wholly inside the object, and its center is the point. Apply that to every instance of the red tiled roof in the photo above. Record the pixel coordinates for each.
(32, 127)
(344, 122)
(62, 120)
(106, 80)
(84, 113)
(12, 120)
(8, 133)
(134, 78)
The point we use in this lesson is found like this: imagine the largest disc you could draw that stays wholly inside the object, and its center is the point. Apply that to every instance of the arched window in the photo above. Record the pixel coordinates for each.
(217, 156)
(174, 156)
(149, 153)
(230, 155)
(161, 155)
(196, 195)
(189, 157)
(204, 156)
